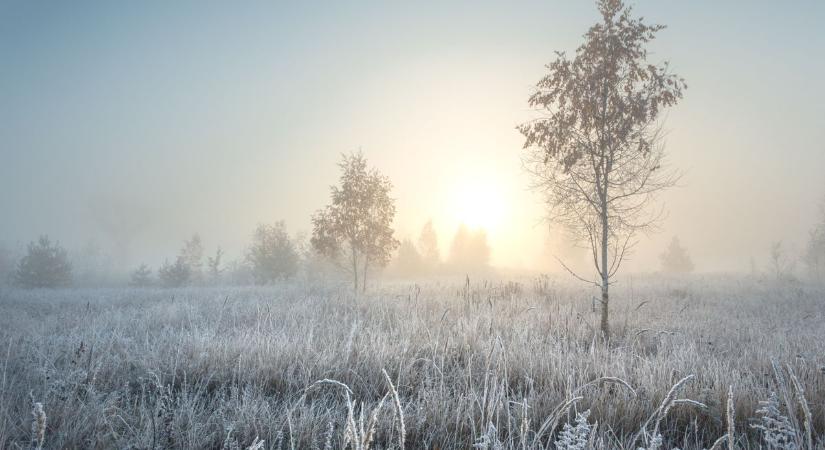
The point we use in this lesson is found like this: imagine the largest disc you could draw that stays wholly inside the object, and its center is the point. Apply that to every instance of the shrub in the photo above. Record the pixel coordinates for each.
(175, 275)
(272, 254)
(44, 265)
(141, 277)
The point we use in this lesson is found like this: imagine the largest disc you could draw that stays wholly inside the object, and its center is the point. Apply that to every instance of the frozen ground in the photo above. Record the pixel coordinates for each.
(487, 365)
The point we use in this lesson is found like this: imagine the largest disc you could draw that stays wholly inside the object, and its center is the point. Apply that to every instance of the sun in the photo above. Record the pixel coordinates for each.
(478, 204)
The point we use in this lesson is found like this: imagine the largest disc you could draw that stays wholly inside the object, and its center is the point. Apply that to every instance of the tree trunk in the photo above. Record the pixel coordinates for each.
(605, 324)
(354, 269)
(364, 284)
(608, 165)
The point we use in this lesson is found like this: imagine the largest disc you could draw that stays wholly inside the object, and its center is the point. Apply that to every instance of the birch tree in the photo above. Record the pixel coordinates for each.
(355, 229)
(595, 148)
(272, 255)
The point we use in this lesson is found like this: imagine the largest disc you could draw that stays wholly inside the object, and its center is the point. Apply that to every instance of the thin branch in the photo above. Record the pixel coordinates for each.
(570, 271)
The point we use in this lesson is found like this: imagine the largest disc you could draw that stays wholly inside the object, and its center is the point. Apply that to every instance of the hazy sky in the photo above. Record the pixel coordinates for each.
(135, 124)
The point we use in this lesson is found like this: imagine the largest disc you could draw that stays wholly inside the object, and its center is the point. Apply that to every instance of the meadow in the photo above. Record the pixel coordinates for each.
(442, 364)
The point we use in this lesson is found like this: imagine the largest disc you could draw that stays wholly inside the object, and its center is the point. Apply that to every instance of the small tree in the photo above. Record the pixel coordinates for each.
(213, 265)
(273, 254)
(192, 254)
(45, 265)
(7, 266)
(175, 275)
(814, 257)
(781, 265)
(596, 151)
(428, 246)
(408, 262)
(141, 277)
(469, 251)
(313, 266)
(676, 259)
(355, 229)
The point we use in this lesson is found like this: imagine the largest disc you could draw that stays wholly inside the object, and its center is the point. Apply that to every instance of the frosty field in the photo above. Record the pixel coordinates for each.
(491, 364)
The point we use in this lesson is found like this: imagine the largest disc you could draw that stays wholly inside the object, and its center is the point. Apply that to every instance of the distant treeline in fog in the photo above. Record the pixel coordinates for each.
(273, 254)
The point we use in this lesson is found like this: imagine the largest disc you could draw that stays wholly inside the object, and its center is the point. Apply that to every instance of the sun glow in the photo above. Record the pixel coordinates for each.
(478, 204)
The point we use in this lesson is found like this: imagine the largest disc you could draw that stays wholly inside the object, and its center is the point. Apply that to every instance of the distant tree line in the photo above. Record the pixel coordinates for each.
(353, 234)
(469, 253)
(272, 255)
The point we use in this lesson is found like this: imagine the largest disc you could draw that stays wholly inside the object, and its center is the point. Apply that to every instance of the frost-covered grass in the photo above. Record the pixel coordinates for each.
(514, 365)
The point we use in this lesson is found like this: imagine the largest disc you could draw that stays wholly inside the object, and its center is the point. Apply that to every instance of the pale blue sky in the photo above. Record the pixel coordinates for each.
(159, 119)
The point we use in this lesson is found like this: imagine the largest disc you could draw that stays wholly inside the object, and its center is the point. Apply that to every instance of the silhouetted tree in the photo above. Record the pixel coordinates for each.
(175, 275)
(355, 230)
(596, 150)
(781, 265)
(239, 271)
(814, 257)
(469, 251)
(7, 265)
(314, 267)
(273, 254)
(675, 258)
(213, 265)
(408, 262)
(45, 265)
(428, 246)
(192, 254)
(141, 277)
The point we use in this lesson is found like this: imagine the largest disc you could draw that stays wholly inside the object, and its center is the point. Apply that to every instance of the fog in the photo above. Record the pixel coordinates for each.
(123, 132)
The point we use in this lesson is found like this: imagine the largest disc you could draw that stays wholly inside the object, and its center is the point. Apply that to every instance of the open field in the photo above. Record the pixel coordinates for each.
(489, 364)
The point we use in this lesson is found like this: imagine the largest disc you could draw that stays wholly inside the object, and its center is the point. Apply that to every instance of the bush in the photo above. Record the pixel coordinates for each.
(175, 275)
(273, 254)
(142, 277)
(45, 265)
(676, 259)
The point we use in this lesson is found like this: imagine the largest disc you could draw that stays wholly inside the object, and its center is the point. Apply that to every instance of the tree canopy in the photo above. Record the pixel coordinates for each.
(676, 259)
(273, 254)
(45, 265)
(595, 151)
(355, 229)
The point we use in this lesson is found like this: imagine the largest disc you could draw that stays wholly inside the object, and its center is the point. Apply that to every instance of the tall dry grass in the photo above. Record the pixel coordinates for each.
(507, 363)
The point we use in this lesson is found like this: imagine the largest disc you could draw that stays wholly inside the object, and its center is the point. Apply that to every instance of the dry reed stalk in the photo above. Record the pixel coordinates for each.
(717, 445)
(38, 425)
(328, 442)
(689, 402)
(669, 400)
(614, 380)
(731, 418)
(402, 428)
(803, 403)
(525, 425)
(351, 433)
(332, 382)
(661, 412)
(257, 444)
(553, 419)
(289, 428)
(366, 438)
